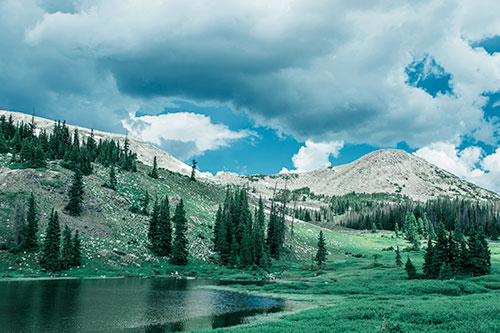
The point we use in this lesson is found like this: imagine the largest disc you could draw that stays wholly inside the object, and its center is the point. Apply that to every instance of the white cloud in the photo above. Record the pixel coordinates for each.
(315, 155)
(470, 163)
(183, 134)
(322, 70)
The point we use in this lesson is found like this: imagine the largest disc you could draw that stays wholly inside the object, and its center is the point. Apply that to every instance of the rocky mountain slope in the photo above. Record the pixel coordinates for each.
(144, 150)
(383, 171)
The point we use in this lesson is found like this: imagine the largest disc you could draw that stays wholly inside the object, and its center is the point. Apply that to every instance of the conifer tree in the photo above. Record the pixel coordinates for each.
(179, 249)
(399, 262)
(76, 250)
(31, 228)
(164, 229)
(154, 172)
(51, 248)
(67, 249)
(217, 228)
(321, 252)
(429, 267)
(396, 229)
(193, 169)
(233, 253)
(259, 238)
(145, 204)
(410, 269)
(74, 206)
(3, 143)
(274, 235)
(112, 182)
(153, 226)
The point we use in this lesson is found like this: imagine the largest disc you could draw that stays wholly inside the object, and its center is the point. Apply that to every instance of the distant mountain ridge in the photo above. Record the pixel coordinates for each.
(390, 171)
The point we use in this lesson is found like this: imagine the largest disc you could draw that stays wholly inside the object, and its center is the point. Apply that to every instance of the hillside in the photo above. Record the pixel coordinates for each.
(389, 171)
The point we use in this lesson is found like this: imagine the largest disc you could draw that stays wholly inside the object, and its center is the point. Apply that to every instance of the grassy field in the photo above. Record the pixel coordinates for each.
(352, 293)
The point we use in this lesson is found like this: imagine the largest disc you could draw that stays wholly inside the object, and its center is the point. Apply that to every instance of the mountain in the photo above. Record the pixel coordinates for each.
(144, 150)
(390, 171)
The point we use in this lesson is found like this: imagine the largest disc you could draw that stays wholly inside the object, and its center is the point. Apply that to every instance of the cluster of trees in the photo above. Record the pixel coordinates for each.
(239, 237)
(470, 214)
(56, 256)
(26, 226)
(31, 148)
(450, 254)
(160, 232)
(415, 229)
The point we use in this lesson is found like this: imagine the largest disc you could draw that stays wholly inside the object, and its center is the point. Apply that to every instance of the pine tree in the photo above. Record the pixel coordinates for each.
(179, 250)
(76, 250)
(112, 182)
(153, 228)
(164, 229)
(410, 269)
(31, 228)
(154, 171)
(3, 142)
(193, 169)
(396, 229)
(259, 238)
(321, 252)
(67, 249)
(274, 235)
(51, 248)
(233, 253)
(374, 227)
(217, 228)
(429, 267)
(74, 206)
(145, 204)
(399, 263)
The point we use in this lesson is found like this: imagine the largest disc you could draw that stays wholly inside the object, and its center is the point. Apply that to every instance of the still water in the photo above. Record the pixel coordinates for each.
(124, 305)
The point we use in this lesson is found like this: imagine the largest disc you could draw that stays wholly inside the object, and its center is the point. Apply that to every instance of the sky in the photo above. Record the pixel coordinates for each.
(266, 86)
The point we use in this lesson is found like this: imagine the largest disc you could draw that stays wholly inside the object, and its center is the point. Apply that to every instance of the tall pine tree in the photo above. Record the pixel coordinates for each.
(51, 259)
(180, 250)
(321, 253)
(74, 206)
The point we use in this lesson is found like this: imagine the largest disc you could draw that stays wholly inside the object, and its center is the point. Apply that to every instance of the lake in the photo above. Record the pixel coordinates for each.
(124, 305)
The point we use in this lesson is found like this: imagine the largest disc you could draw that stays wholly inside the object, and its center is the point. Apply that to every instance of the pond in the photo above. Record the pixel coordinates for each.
(124, 305)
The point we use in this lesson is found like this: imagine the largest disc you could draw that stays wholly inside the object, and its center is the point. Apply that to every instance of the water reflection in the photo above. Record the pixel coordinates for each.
(124, 305)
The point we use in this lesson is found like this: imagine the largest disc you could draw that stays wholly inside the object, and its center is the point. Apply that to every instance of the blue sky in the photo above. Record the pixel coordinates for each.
(255, 86)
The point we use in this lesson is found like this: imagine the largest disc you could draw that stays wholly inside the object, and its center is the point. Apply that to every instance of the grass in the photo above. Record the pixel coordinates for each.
(349, 294)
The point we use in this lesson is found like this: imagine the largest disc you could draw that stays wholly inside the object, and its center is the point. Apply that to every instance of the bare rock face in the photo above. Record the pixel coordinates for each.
(390, 171)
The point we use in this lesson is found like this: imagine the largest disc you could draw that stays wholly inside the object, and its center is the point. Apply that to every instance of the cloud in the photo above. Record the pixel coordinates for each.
(183, 134)
(320, 71)
(470, 163)
(315, 155)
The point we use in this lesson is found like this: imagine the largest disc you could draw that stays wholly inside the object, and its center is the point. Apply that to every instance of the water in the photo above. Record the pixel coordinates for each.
(124, 305)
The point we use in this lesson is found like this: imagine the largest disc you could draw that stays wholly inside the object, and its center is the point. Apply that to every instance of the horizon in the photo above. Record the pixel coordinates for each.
(255, 89)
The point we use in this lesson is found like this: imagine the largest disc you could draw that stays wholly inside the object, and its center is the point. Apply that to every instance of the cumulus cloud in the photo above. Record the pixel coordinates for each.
(315, 155)
(184, 134)
(318, 70)
(469, 163)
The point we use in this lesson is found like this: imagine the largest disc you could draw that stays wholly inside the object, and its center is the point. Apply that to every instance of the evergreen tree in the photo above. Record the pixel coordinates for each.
(67, 249)
(154, 171)
(274, 235)
(321, 252)
(429, 267)
(179, 250)
(259, 238)
(74, 206)
(31, 228)
(233, 254)
(399, 262)
(164, 229)
(217, 228)
(112, 182)
(374, 227)
(396, 229)
(3, 142)
(145, 204)
(153, 226)
(193, 169)
(51, 248)
(410, 269)
(445, 271)
(76, 250)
